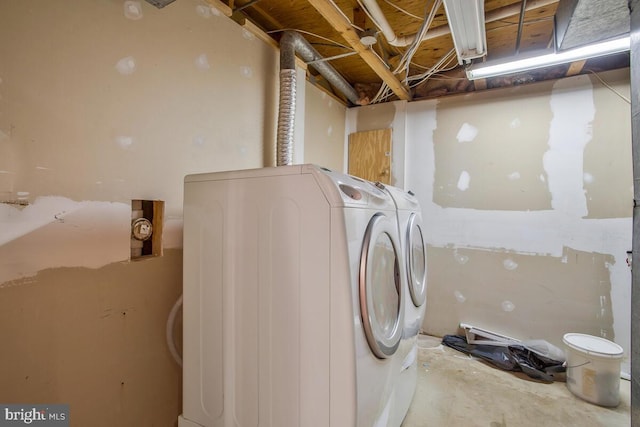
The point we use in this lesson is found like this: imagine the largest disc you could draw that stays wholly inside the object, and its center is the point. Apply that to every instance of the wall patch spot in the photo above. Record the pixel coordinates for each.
(515, 123)
(215, 11)
(463, 181)
(459, 297)
(467, 133)
(204, 11)
(587, 177)
(542, 178)
(124, 141)
(508, 306)
(198, 140)
(133, 10)
(514, 176)
(460, 259)
(246, 71)
(510, 264)
(126, 65)
(329, 130)
(248, 35)
(202, 62)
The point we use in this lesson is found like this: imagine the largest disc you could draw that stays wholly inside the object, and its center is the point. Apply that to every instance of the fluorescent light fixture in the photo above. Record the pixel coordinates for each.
(466, 21)
(488, 69)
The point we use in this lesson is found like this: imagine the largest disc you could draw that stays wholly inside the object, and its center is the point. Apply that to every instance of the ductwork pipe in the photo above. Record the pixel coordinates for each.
(290, 44)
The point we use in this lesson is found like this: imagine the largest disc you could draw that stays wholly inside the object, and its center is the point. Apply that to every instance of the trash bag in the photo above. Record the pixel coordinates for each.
(517, 357)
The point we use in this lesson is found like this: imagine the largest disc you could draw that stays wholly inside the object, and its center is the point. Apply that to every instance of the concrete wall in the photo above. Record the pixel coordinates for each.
(527, 198)
(101, 103)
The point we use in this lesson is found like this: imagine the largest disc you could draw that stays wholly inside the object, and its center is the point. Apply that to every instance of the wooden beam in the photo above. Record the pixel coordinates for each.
(221, 7)
(341, 23)
(575, 68)
(480, 84)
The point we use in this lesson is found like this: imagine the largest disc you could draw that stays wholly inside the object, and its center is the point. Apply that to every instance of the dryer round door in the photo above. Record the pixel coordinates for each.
(379, 287)
(416, 261)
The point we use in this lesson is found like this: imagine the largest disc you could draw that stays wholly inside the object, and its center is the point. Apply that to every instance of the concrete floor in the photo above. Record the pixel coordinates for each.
(455, 390)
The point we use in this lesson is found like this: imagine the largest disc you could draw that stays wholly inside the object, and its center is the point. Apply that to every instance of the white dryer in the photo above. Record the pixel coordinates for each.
(414, 287)
(293, 306)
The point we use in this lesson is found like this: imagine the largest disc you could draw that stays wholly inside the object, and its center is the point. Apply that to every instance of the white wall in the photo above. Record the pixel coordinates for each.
(526, 194)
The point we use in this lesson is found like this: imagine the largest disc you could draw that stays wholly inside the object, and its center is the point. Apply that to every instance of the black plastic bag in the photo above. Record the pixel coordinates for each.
(512, 357)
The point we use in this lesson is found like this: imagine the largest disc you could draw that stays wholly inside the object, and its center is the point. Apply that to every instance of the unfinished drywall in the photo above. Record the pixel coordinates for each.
(475, 172)
(95, 339)
(102, 103)
(532, 291)
(526, 202)
(324, 129)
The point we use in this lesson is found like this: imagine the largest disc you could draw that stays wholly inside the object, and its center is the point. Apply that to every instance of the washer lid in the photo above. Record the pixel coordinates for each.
(594, 346)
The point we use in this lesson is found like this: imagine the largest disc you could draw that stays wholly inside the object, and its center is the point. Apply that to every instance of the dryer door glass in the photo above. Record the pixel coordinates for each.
(417, 267)
(380, 295)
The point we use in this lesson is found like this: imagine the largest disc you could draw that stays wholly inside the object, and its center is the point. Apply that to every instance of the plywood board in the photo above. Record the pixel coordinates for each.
(370, 155)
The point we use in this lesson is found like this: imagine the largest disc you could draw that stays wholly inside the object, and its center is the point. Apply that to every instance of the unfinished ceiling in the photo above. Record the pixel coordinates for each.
(341, 31)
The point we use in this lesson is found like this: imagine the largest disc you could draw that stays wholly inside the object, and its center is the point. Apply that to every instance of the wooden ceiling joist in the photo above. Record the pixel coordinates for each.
(341, 23)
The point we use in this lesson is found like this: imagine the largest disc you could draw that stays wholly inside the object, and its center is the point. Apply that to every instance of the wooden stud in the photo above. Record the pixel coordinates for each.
(575, 68)
(480, 84)
(336, 18)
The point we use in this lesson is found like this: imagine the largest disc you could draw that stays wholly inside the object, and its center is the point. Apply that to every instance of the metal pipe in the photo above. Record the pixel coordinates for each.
(290, 44)
(244, 6)
(523, 8)
(286, 117)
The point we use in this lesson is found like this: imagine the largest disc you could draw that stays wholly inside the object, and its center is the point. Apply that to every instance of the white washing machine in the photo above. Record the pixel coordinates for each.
(293, 306)
(414, 286)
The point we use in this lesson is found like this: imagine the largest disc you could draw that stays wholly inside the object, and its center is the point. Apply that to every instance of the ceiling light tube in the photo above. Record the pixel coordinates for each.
(489, 69)
(466, 21)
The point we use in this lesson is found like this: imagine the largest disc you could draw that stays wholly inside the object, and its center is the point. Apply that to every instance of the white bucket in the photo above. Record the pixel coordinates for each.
(593, 368)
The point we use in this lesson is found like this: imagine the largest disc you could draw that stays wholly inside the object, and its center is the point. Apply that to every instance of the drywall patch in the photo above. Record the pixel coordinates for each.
(59, 232)
(204, 11)
(202, 62)
(460, 258)
(124, 141)
(513, 176)
(463, 181)
(508, 306)
(246, 72)
(569, 132)
(126, 65)
(248, 35)
(132, 10)
(587, 178)
(510, 264)
(467, 133)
